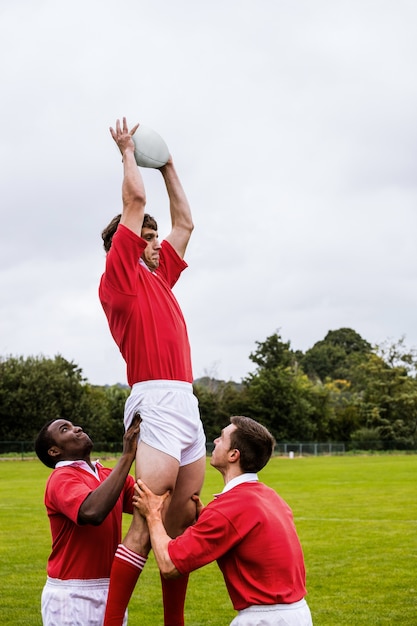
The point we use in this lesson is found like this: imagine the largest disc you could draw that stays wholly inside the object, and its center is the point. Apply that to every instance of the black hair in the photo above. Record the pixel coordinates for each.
(43, 442)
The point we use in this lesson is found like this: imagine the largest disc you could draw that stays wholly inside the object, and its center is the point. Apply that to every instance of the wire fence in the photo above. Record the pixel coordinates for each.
(24, 450)
(311, 449)
(302, 449)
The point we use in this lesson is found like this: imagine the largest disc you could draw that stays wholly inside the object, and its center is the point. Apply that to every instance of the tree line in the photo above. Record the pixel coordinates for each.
(342, 389)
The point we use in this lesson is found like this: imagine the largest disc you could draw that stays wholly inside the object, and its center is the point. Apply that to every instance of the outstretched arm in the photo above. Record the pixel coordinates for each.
(181, 220)
(150, 506)
(100, 502)
(133, 189)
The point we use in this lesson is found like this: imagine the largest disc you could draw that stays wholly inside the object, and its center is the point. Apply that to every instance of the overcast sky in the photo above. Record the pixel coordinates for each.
(292, 125)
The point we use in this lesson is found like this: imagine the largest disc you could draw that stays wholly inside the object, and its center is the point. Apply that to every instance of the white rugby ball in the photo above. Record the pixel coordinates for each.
(150, 149)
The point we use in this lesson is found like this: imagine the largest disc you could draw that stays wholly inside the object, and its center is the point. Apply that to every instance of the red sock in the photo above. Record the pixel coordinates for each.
(173, 594)
(125, 571)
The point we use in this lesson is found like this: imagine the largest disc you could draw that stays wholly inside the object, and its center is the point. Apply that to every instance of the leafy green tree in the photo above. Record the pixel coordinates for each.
(280, 398)
(103, 414)
(388, 400)
(344, 415)
(218, 401)
(34, 390)
(272, 353)
(278, 393)
(116, 396)
(366, 439)
(397, 354)
(335, 355)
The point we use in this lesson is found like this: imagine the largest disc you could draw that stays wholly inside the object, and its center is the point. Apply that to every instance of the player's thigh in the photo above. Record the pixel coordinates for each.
(157, 469)
(182, 509)
(191, 478)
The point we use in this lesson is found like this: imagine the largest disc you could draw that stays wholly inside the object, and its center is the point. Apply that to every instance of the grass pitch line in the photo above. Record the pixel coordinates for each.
(354, 520)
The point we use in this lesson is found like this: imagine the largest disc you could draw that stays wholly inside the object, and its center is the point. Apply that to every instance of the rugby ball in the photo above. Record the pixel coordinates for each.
(150, 149)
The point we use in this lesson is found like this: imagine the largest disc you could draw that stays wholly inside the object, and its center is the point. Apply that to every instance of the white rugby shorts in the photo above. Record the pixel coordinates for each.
(295, 614)
(75, 602)
(170, 418)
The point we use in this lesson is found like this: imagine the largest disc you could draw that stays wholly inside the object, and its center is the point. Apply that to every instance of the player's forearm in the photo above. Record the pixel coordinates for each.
(133, 189)
(181, 220)
(179, 206)
(160, 541)
(100, 502)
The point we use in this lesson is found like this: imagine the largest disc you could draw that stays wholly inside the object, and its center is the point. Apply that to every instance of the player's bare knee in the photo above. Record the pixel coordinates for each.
(179, 519)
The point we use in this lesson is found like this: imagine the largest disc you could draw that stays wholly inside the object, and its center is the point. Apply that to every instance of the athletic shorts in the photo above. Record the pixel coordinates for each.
(295, 614)
(170, 418)
(75, 602)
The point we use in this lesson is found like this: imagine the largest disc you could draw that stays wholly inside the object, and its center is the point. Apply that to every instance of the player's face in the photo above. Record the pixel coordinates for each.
(219, 456)
(151, 253)
(71, 442)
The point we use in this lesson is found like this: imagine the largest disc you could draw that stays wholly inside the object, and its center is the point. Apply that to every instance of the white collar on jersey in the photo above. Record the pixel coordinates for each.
(238, 480)
(142, 262)
(81, 464)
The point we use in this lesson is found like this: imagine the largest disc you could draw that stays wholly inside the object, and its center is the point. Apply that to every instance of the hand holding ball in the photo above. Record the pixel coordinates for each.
(150, 149)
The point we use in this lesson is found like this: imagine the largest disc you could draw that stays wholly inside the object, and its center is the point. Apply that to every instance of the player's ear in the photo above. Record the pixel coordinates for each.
(54, 451)
(234, 455)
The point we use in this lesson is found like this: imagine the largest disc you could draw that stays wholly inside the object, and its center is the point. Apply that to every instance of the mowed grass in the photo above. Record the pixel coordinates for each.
(356, 517)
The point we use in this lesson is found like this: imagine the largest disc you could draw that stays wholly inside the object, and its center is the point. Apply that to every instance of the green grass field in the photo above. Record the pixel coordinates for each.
(356, 517)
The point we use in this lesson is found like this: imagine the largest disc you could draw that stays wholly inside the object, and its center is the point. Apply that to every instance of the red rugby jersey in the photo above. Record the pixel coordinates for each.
(82, 551)
(144, 317)
(250, 531)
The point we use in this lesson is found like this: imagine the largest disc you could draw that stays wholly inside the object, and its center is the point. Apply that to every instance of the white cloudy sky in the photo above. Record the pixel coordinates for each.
(292, 124)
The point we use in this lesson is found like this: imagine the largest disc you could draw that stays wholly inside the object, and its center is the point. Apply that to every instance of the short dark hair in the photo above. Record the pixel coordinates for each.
(108, 232)
(43, 442)
(254, 442)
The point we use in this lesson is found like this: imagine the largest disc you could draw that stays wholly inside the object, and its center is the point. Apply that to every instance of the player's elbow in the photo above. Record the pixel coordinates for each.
(185, 228)
(91, 516)
(182, 222)
(166, 566)
(92, 520)
(97, 520)
(136, 199)
(190, 225)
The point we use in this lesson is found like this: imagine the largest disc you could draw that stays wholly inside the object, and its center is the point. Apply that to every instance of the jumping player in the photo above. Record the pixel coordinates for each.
(148, 326)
